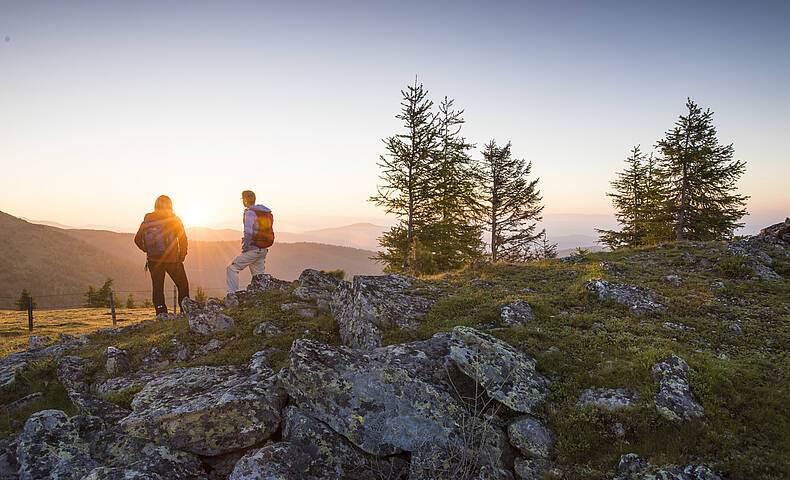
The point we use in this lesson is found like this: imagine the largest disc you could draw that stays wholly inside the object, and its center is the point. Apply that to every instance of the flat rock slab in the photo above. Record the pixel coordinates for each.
(508, 375)
(380, 408)
(674, 399)
(637, 299)
(365, 308)
(206, 410)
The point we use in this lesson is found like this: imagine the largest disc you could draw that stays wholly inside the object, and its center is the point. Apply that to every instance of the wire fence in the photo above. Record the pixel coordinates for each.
(118, 299)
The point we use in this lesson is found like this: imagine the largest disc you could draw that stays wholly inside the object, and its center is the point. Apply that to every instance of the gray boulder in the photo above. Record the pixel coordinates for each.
(206, 319)
(674, 399)
(531, 438)
(609, 398)
(508, 375)
(370, 305)
(116, 361)
(259, 363)
(516, 314)
(281, 461)
(311, 278)
(336, 453)
(637, 299)
(206, 410)
(51, 447)
(382, 408)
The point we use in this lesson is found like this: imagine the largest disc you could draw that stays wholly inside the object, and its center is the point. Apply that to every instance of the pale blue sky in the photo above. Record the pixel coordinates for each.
(105, 105)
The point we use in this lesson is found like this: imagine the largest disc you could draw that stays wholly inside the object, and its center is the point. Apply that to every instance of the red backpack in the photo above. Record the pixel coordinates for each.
(263, 229)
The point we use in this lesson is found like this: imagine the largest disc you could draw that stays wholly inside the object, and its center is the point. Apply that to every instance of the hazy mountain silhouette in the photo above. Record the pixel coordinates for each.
(357, 235)
(48, 260)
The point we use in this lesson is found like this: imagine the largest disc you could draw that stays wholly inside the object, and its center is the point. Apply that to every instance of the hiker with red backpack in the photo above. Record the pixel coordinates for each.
(162, 237)
(258, 237)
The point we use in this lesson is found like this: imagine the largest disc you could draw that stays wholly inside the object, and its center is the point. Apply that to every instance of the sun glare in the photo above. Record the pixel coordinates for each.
(193, 215)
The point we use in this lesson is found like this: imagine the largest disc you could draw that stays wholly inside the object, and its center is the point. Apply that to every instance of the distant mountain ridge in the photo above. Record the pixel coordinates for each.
(53, 261)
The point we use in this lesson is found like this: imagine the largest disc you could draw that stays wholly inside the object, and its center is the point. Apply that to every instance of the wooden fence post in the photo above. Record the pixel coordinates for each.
(30, 313)
(175, 299)
(112, 308)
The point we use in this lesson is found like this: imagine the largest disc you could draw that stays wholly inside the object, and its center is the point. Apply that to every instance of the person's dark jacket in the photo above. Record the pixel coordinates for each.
(177, 250)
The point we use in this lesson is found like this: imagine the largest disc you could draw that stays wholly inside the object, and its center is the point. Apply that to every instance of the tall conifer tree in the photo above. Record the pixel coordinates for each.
(407, 178)
(699, 177)
(511, 204)
(453, 235)
(629, 199)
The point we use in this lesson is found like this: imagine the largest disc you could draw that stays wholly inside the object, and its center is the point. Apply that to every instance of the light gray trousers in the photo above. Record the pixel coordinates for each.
(255, 259)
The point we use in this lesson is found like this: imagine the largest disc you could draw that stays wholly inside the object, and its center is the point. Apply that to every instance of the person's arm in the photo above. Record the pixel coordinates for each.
(138, 239)
(183, 243)
(249, 220)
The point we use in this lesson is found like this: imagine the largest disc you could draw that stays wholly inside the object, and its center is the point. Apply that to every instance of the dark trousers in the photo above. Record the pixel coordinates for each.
(177, 274)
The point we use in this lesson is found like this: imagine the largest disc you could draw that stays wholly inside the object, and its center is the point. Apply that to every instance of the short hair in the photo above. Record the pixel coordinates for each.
(163, 202)
(248, 196)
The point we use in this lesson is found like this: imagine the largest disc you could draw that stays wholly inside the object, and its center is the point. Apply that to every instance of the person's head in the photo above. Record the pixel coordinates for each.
(163, 203)
(248, 197)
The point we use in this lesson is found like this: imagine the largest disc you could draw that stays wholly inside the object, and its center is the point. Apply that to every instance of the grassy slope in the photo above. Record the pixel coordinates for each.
(741, 379)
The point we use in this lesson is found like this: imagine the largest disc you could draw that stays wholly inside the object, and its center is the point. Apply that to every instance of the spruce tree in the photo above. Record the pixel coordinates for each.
(23, 302)
(546, 250)
(629, 197)
(511, 203)
(699, 177)
(452, 235)
(406, 177)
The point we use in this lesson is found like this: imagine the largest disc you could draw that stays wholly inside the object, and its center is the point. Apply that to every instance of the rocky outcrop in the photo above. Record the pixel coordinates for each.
(507, 375)
(609, 398)
(516, 314)
(674, 399)
(206, 319)
(206, 410)
(777, 232)
(370, 305)
(384, 409)
(637, 299)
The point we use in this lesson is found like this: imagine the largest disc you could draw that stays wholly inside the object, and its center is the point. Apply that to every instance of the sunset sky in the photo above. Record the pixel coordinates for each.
(105, 105)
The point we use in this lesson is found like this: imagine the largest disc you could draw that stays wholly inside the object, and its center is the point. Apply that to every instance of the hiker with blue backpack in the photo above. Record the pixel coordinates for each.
(162, 237)
(258, 237)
